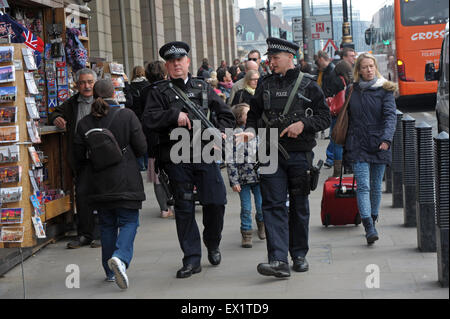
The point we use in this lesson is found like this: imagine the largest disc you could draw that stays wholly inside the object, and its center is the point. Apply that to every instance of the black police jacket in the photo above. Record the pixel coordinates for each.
(320, 119)
(162, 109)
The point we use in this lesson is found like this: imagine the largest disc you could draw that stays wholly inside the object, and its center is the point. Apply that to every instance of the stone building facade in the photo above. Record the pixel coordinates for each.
(208, 27)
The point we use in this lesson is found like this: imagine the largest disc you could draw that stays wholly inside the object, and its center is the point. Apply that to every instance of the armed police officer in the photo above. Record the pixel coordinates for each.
(294, 104)
(166, 110)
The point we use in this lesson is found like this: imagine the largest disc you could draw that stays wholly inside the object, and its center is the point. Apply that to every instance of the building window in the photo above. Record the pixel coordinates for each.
(249, 36)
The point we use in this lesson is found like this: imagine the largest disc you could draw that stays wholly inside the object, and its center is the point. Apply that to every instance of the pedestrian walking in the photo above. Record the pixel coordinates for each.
(287, 231)
(246, 93)
(225, 82)
(249, 65)
(205, 69)
(67, 116)
(331, 85)
(134, 95)
(371, 127)
(166, 111)
(116, 191)
(154, 72)
(244, 179)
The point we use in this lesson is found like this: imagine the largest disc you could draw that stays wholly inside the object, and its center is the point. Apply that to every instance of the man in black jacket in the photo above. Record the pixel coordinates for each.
(331, 85)
(67, 116)
(287, 232)
(165, 112)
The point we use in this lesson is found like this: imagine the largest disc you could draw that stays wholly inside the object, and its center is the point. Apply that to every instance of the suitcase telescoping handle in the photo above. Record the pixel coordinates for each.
(340, 181)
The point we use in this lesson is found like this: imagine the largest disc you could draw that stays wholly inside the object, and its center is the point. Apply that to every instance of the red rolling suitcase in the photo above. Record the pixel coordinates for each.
(339, 206)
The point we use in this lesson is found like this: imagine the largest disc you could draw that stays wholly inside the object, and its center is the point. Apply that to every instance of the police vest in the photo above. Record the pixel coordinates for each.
(276, 99)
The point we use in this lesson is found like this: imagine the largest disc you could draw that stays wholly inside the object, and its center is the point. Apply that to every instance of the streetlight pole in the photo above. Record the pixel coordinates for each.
(307, 42)
(269, 22)
(347, 40)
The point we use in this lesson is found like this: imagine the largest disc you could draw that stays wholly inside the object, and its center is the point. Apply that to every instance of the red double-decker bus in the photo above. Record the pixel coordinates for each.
(404, 36)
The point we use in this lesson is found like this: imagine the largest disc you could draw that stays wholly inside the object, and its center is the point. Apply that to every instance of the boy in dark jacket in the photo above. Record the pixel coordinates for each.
(117, 191)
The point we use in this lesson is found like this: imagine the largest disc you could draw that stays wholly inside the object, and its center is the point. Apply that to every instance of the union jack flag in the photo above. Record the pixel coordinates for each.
(19, 34)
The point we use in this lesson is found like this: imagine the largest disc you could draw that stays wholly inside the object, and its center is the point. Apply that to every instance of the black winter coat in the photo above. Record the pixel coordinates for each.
(135, 96)
(242, 96)
(331, 83)
(68, 111)
(372, 120)
(118, 186)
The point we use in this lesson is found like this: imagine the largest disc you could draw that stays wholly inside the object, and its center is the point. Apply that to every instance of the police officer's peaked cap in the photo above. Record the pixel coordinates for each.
(174, 50)
(275, 45)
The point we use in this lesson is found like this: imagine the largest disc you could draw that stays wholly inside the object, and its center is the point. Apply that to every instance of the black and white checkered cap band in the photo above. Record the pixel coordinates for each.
(178, 51)
(280, 47)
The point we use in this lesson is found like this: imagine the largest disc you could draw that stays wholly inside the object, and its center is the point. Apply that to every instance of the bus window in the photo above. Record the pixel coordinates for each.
(420, 12)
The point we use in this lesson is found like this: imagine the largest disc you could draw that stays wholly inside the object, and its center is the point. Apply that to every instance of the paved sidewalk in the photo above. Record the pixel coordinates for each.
(338, 259)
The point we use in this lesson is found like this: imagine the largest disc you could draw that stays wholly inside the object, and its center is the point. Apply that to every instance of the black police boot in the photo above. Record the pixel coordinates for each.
(275, 268)
(300, 264)
(214, 256)
(188, 270)
(80, 241)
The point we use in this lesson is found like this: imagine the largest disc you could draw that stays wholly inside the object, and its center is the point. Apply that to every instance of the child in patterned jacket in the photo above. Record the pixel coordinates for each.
(244, 179)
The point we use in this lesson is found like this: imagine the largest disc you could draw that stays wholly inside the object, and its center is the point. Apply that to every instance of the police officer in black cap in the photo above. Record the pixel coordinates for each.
(287, 228)
(164, 112)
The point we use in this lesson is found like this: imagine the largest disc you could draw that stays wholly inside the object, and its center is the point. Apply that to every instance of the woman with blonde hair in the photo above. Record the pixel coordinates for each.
(245, 94)
(371, 127)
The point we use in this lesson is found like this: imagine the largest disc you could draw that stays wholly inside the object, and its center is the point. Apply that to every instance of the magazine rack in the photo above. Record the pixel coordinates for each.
(24, 162)
(53, 143)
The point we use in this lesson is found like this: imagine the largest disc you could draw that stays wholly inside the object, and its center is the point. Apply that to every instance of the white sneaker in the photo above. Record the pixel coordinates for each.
(119, 269)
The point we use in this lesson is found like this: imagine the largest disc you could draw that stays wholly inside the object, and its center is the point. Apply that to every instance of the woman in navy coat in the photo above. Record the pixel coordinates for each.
(372, 122)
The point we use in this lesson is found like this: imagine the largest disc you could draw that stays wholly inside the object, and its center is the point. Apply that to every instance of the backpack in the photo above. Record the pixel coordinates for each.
(137, 105)
(103, 149)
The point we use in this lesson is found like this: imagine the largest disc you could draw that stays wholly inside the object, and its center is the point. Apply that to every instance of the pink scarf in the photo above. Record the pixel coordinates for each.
(227, 85)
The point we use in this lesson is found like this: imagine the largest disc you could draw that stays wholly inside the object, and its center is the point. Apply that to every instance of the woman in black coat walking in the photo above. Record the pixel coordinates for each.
(116, 191)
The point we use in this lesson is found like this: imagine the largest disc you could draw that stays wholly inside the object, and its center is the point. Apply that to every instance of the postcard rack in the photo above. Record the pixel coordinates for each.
(10, 162)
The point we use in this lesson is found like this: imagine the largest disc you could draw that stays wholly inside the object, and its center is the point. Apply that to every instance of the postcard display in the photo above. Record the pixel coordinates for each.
(22, 209)
(115, 72)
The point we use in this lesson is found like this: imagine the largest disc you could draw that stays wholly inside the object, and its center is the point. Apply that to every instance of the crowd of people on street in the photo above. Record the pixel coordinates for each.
(110, 148)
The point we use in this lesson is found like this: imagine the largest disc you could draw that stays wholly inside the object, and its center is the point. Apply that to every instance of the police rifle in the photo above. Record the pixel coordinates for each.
(195, 111)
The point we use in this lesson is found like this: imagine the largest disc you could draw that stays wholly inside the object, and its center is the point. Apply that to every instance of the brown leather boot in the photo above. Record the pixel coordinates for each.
(261, 230)
(337, 168)
(246, 238)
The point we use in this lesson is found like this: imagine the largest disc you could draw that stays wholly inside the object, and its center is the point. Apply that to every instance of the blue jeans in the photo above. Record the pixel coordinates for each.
(143, 162)
(369, 178)
(334, 151)
(117, 231)
(246, 205)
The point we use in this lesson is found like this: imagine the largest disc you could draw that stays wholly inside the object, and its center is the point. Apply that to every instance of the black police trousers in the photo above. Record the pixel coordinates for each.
(286, 228)
(87, 224)
(212, 196)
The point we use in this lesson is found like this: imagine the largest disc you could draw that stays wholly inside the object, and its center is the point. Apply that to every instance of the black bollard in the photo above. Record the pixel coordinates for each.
(441, 171)
(388, 179)
(425, 208)
(409, 172)
(397, 164)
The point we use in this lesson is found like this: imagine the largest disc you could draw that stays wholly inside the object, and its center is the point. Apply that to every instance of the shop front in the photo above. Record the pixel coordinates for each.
(42, 44)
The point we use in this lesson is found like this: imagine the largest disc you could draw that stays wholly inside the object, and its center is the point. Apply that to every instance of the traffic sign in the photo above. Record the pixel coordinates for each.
(330, 48)
(297, 29)
(321, 27)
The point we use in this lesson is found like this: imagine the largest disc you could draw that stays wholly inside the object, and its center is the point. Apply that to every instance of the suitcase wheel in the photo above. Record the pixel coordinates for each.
(326, 222)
